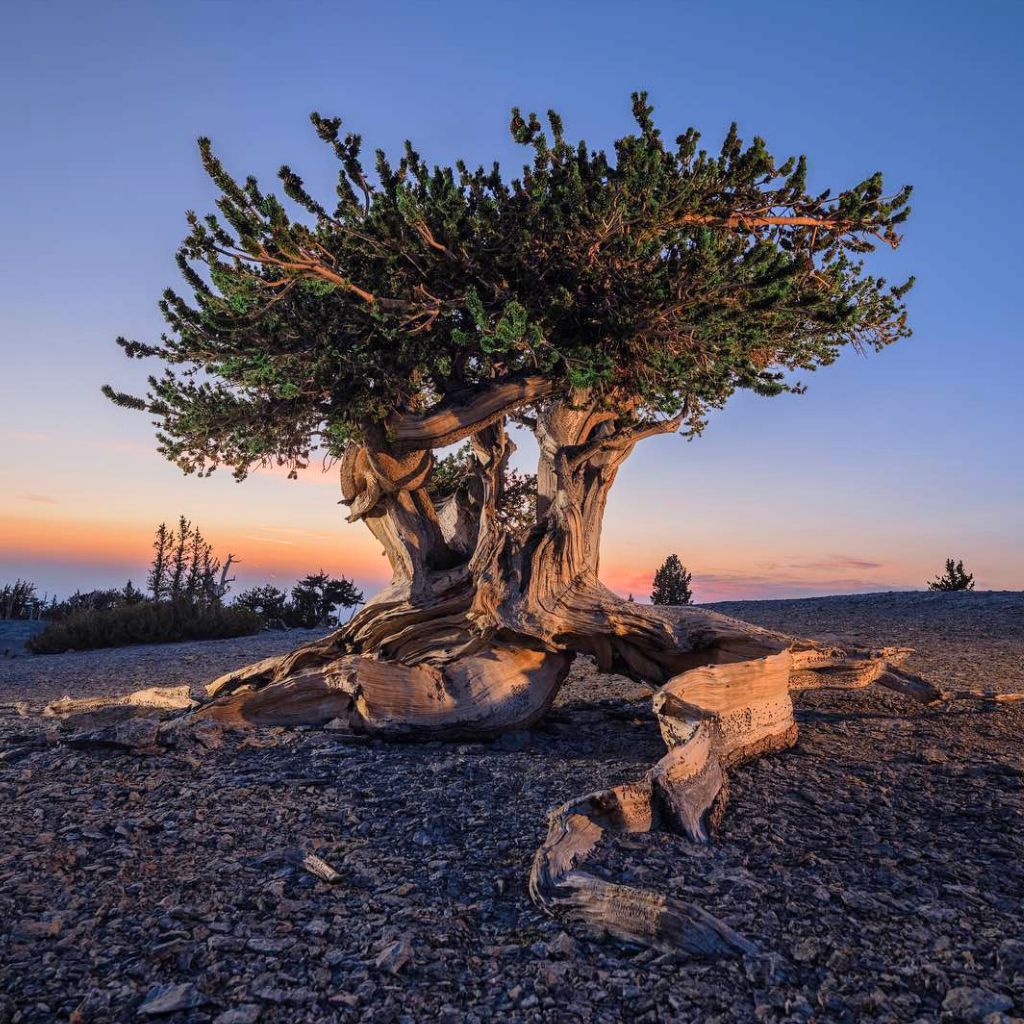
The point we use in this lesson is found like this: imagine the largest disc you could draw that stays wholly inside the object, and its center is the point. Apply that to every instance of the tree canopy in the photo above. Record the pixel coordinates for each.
(657, 279)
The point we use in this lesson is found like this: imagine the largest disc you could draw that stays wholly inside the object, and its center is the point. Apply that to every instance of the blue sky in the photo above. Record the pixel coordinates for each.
(890, 463)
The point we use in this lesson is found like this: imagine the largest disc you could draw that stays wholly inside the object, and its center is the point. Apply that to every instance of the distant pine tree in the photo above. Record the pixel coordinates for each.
(672, 583)
(955, 578)
(315, 597)
(268, 602)
(185, 567)
(178, 562)
(157, 578)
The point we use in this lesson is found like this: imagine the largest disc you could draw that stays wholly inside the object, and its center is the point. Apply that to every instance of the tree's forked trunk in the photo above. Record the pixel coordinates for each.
(478, 627)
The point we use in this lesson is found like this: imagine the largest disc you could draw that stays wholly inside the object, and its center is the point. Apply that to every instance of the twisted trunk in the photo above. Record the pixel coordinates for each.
(478, 628)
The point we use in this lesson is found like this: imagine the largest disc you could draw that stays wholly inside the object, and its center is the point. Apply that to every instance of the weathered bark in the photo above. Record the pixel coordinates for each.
(477, 629)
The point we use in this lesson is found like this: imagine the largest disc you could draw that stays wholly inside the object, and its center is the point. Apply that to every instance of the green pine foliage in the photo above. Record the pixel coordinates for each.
(660, 276)
(316, 597)
(954, 578)
(267, 601)
(672, 583)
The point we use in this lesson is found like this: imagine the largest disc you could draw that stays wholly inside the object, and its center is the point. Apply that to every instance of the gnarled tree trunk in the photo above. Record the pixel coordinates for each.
(478, 628)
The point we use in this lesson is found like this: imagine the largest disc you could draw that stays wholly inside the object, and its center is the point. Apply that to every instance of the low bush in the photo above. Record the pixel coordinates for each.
(148, 622)
(93, 601)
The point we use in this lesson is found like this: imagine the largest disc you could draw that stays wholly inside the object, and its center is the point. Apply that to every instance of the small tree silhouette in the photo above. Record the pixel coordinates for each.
(672, 583)
(268, 602)
(955, 578)
(316, 596)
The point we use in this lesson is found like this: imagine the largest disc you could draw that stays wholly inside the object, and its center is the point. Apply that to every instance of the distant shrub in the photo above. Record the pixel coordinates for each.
(314, 601)
(18, 600)
(315, 597)
(147, 622)
(267, 602)
(956, 577)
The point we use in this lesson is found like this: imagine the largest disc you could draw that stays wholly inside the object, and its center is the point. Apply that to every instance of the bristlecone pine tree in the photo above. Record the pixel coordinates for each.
(597, 300)
(672, 583)
(954, 578)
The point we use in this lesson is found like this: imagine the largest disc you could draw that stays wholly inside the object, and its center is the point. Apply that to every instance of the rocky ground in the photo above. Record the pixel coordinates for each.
(879, 865)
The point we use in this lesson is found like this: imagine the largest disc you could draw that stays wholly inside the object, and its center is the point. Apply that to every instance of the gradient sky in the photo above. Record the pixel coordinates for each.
(890, 463)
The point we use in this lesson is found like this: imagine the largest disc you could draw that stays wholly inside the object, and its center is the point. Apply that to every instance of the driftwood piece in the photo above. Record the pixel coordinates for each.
(321, 869)
(163, 698)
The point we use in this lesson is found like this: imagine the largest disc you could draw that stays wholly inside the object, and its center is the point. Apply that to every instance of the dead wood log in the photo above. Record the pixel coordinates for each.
(710, 717)
(478, 696)
(162, 698)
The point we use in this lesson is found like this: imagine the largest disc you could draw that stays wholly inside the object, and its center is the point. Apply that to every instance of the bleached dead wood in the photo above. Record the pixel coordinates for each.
(477, 696)
(318, 867)
(164, 698)
(711, 717)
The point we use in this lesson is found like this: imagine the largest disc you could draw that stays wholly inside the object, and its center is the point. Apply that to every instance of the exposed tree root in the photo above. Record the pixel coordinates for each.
(711, 718)
(478, 696)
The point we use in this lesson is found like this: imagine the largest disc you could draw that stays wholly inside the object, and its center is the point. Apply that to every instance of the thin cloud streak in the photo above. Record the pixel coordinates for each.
(34, 437)
(837, 562)
(297, 533)
(25, 435)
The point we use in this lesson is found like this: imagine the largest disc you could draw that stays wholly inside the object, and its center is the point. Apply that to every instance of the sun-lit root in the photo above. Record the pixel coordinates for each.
(710, 717)
(690, 787)
(476, 696)
(744, 706)
(928, 693)
(559, 885)
(986, 695)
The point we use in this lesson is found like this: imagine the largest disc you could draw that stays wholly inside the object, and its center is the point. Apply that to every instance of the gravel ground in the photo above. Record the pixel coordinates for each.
(878, 864)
